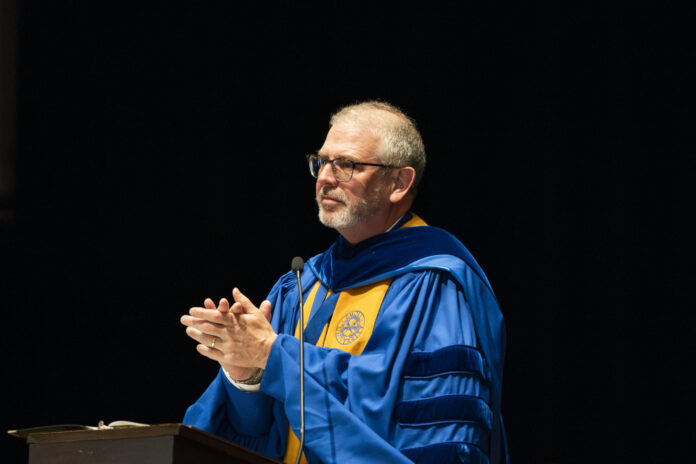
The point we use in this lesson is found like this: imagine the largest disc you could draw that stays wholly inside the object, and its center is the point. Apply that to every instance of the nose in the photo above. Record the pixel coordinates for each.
(326, 175)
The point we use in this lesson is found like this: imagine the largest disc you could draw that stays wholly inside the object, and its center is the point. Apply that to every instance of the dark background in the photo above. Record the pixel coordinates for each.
(157, 157)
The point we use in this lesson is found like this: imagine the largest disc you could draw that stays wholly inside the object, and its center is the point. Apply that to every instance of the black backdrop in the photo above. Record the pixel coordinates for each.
(160, 160)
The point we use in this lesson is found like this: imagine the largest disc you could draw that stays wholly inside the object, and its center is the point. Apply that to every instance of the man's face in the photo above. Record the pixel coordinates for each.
(346, 204)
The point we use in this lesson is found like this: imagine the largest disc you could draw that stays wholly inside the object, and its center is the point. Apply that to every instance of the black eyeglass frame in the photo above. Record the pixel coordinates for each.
(324, 161)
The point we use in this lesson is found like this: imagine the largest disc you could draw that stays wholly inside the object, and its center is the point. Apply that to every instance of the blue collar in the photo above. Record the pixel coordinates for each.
(388, 255)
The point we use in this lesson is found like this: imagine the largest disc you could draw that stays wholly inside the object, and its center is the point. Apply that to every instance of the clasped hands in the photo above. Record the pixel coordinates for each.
(239, 337)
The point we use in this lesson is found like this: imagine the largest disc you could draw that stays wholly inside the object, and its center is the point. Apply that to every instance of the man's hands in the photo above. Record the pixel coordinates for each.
(239, 337)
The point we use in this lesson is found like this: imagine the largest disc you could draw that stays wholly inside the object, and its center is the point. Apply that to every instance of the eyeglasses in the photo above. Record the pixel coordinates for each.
(342, 168)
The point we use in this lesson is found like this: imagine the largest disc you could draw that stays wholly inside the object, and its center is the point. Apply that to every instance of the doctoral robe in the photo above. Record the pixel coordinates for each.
(426, 384)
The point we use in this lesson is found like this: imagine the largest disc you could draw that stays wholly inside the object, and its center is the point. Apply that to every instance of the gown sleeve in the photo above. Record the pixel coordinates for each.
(252, 420)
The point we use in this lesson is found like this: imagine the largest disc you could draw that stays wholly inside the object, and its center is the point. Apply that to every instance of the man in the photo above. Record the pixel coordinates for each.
(404, 340)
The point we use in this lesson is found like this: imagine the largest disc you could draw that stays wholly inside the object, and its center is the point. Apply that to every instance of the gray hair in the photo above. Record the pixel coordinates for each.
(402, 144)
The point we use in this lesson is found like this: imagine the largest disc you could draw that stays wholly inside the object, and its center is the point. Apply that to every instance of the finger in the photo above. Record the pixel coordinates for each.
(224, 305)
(195, 334)
(202, 324)
(187, 320)
(211, 315)
(209, 304)
(209, 328)
(237, 308)
(205, 337)
(194, 312)
(265, 308)
(210, 353)
(245, 302)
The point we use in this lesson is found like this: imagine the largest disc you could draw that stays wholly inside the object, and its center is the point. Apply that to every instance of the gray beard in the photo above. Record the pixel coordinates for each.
(349, 214)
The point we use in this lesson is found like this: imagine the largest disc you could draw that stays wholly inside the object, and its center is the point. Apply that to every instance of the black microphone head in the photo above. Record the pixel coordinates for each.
(297, 264)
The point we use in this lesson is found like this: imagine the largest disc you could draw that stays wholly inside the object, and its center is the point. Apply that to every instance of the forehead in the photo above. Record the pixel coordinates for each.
(351, 141)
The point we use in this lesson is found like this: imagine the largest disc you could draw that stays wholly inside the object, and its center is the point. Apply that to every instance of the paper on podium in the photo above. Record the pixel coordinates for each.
(24, 433)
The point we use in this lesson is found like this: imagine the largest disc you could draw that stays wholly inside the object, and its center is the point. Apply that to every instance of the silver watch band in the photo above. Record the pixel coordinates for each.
(255, 379)
(248, 388)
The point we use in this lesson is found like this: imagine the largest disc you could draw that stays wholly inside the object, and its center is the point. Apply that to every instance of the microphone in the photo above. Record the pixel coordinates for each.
(297, 266)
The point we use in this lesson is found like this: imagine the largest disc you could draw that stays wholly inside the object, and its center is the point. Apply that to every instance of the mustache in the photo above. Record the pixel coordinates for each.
(332, 193)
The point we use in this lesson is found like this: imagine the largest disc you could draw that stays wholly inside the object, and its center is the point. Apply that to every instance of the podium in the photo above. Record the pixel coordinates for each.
(153, 444)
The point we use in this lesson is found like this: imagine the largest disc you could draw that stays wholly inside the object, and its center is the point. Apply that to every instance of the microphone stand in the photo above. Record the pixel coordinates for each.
(297, 267)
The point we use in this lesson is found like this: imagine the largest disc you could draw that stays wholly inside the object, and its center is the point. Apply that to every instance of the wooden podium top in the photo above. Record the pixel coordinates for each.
(127, 432)
(174, 443)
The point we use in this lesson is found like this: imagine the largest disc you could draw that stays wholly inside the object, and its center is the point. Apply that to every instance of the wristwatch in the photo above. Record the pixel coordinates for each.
(255, 379)
(250, 385)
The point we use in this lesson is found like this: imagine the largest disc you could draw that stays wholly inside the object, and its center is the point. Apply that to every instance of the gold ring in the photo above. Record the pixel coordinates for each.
(212, 344)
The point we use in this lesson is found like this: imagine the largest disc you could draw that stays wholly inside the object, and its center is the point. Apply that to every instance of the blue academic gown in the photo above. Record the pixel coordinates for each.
(427, 385)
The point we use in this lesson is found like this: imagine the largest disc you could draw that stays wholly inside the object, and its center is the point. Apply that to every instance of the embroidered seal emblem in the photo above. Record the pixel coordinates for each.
(350, 328)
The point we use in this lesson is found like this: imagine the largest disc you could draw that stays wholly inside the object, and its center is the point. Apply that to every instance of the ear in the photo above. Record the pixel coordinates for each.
(402, 183)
